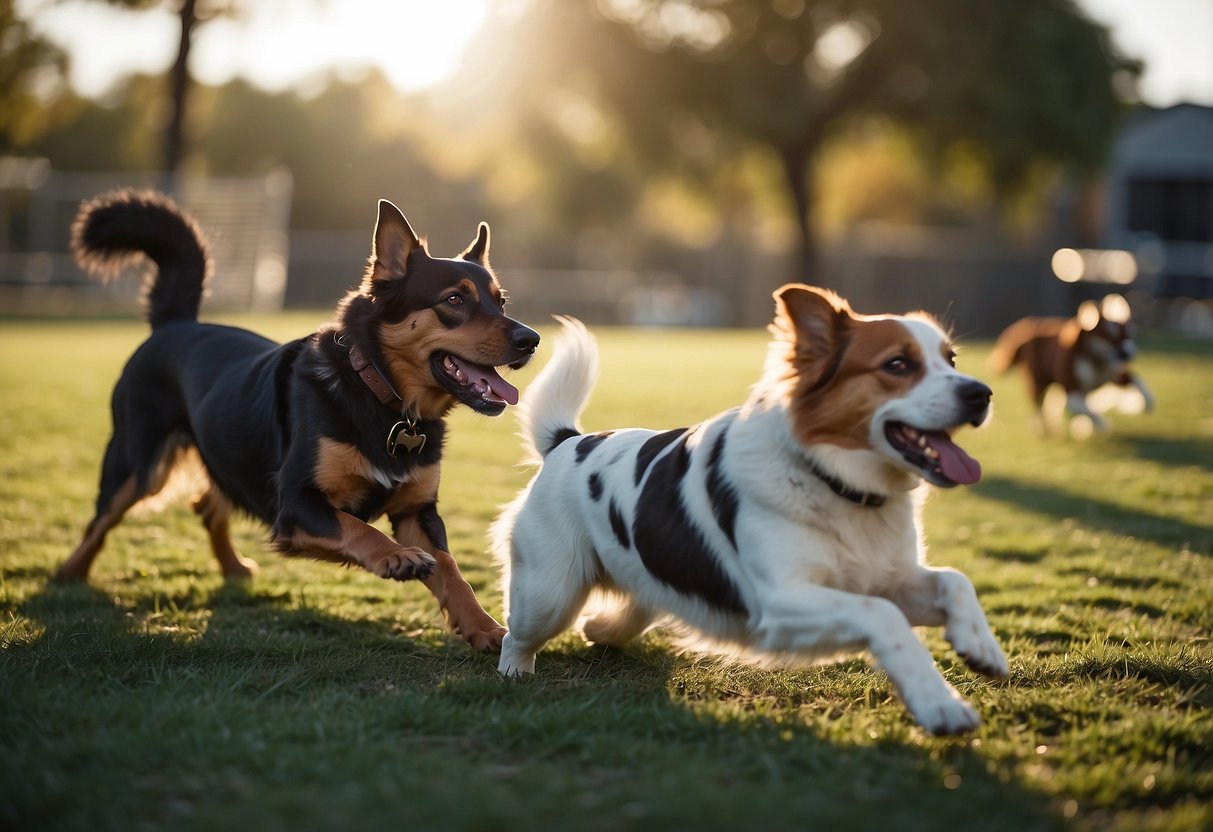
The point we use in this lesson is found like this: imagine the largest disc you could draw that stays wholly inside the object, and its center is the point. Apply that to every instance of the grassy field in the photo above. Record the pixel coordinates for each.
(321, 698)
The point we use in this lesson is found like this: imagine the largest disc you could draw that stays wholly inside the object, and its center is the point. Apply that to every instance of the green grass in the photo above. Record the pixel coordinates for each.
(321, 698)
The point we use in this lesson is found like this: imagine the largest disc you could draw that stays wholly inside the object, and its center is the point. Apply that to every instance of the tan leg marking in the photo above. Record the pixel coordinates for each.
(365, 546)
(455, 597)
(342, 472)
(75, 568)
(215, 510)
(462, 611)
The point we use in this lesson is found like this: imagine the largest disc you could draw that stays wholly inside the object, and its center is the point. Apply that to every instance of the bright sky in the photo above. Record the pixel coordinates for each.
(276, 43)
(1173, 37)
(281, 43)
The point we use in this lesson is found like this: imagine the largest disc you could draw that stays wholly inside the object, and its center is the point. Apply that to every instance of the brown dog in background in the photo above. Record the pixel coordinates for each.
(1080, 355)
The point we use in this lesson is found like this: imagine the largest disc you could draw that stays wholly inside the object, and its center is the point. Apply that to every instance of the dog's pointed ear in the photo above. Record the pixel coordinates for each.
(816, 321)
(478, 251)
(1088, 315)
(394, 240)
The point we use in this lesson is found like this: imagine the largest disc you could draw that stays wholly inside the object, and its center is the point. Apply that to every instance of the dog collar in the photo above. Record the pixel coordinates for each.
(403, 434)
(372, 378)
(860, 498)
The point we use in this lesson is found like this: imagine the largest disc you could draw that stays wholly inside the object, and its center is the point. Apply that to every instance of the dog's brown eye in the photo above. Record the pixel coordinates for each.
(454, 300)
(899, 366)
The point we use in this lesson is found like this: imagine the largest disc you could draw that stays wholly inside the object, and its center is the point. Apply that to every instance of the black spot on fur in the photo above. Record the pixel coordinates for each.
(721, 491)
(653, 446)
(619, 526)
(433, 526)
(589, 443)
(595, 487)
(558, 438)
(671, 546)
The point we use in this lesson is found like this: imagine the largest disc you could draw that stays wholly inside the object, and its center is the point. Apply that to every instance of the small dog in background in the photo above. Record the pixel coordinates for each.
(786, 528)
(1080, 355)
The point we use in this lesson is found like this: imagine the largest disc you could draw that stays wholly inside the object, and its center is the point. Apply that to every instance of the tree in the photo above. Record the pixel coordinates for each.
(1015, 81)
(179, 86)
(31, 70)
(191, 14)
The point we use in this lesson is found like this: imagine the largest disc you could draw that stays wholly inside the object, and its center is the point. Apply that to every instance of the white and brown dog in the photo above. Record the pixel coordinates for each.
(786, 529)
(1080, 355)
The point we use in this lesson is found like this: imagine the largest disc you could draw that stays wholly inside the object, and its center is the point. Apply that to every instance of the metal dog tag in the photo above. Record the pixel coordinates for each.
(405, 433)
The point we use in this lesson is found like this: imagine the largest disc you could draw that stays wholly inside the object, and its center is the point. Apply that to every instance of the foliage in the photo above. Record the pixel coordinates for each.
(31, 70)
(317, 698)
(1016, 83)
(653, 122)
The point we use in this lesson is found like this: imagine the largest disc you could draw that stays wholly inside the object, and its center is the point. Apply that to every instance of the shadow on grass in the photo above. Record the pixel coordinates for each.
(1174, 343)
(1168, 450)
(1110, 517)
(290, 701)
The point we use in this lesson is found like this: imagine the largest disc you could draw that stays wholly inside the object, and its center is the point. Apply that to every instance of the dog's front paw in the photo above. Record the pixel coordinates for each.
(976, 645)
(486, 641)
(405, 564)
(946, 715)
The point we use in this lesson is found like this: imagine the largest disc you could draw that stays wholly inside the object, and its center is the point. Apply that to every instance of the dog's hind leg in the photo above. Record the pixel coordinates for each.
(1046, 412)
(112, 505)
(215, 510)
(617, 625)
(544, 602)
(121, 487)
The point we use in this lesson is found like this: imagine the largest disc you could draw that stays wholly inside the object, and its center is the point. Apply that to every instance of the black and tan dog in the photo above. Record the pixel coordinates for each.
(319, 436)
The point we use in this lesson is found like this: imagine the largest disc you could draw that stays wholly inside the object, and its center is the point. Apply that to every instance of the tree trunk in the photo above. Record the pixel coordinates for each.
(797, 167)
(179, 92)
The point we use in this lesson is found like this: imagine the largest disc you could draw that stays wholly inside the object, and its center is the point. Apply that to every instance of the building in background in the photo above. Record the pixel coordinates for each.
(1160, 199)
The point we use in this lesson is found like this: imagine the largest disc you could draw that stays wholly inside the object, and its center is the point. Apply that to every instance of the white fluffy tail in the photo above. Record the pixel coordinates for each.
(550, 408)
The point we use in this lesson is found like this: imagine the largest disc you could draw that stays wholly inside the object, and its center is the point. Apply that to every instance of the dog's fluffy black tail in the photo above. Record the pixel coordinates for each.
(115, 228)
(549, 412)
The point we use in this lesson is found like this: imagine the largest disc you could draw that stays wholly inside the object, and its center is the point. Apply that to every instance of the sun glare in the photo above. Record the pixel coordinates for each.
(276, 44)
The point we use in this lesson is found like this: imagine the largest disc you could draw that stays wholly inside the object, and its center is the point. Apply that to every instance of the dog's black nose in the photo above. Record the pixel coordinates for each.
(975, 397)
(524, 339)
(974, 394)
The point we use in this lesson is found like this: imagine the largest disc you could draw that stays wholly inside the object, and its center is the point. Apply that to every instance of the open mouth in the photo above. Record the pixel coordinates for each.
(940, 460)
(478, 386)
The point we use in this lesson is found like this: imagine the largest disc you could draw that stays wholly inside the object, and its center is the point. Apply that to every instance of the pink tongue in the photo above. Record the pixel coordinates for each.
(957, 466)
(488, 377)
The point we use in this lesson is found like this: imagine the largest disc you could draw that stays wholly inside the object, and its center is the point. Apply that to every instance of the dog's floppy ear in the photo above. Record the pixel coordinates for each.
(817, 321)
(478, 251)
(393, 242)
